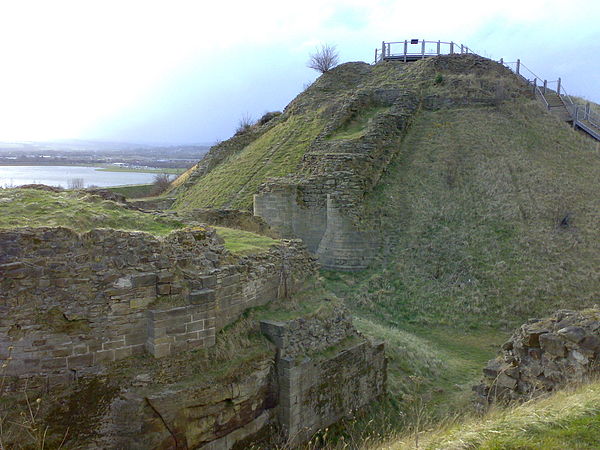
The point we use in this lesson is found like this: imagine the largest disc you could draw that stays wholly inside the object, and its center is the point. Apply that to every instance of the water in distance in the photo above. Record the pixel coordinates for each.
(13, 176)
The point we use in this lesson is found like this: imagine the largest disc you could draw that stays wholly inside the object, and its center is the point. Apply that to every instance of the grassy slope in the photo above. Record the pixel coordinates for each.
(81, 212)
(133, 191)
(471, 209)
(565, 420)
(243, 242)
(275, 153)
(278, 151)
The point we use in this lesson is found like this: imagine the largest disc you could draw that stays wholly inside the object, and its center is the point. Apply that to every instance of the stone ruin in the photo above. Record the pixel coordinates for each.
(72, 304)
(544, 355)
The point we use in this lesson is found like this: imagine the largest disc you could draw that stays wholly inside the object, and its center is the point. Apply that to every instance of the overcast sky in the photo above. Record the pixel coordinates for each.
(177, 71)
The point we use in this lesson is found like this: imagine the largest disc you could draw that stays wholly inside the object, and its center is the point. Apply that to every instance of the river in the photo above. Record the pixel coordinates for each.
(12, 176)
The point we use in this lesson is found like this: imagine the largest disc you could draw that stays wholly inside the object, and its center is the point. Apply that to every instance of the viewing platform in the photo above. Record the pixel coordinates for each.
(415, 49)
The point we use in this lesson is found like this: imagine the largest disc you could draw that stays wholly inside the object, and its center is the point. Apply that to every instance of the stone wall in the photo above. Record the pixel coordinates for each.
(214, 416)
(322, 203)
(544, 355)
(325, 370)
(71, 302)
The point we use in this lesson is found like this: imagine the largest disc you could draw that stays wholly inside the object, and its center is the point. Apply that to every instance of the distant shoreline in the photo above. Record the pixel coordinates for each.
(103, 167)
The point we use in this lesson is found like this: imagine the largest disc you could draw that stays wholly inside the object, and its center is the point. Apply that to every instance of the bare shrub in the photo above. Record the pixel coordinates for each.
(324, 58)
(161, 183)
(245, 123)
(76, 183)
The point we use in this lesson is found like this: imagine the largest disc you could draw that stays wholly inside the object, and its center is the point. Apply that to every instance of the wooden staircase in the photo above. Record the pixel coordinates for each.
(559, 103)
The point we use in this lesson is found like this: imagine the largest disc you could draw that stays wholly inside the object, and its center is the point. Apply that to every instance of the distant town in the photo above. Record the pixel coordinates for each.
(119, 155)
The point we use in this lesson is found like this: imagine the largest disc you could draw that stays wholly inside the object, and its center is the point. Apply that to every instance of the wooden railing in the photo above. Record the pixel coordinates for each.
(414, 49)
(411, 49)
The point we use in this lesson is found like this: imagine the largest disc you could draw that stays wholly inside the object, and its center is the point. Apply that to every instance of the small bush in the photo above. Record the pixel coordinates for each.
(439, 79)
(244, 124)
(161, 183)
(324, 58)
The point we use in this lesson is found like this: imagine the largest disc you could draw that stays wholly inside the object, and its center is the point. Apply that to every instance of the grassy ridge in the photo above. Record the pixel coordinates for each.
(75, 210)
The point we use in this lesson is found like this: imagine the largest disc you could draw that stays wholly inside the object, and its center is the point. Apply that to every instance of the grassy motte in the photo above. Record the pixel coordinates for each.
(76, 210)
(240, 242)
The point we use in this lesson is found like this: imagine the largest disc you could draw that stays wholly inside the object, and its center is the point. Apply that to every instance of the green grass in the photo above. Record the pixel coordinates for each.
(275, 153)
(471, 211)
(76, 210)
(133, 191)
(357, 126)
(568, 419)
(242, 242)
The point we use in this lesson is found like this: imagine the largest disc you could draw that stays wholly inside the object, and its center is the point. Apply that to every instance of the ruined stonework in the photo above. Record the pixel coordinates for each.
(544, 355)
(319, 371)
(325, 370)
(322, 203)
(70, 302)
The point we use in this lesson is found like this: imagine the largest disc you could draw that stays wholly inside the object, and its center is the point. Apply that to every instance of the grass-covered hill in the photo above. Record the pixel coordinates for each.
(232, 171)
(490, 215)
(489, 211)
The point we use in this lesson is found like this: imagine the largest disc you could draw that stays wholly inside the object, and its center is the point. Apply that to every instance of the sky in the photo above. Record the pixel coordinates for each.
(186, 71)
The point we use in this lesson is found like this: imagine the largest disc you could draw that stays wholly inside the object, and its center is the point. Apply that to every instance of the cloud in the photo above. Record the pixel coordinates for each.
(137, 68)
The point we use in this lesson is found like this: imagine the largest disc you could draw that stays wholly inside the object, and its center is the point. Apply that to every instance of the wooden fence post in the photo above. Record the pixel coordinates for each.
(534, 85)
(587, 111)
(558, 88)
(451, 48)
(502, 61)
(545, 86)
(423, 49)
(438, 46)
(382, 49)
(405, 49)
(462, 49)
(518, 66)
(376, 51)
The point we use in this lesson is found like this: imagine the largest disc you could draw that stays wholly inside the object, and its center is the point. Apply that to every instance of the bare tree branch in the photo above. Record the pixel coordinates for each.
(324, 58)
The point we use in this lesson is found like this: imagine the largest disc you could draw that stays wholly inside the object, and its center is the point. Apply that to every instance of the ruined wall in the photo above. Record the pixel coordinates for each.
(325, 370)
(322, 203)
(70, 302)
(543, 355)
(188, 415)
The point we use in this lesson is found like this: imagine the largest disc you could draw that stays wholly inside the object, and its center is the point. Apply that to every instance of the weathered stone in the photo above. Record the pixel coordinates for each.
(570, 342)
(573, 334)
(143, 279)
(553, 345)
